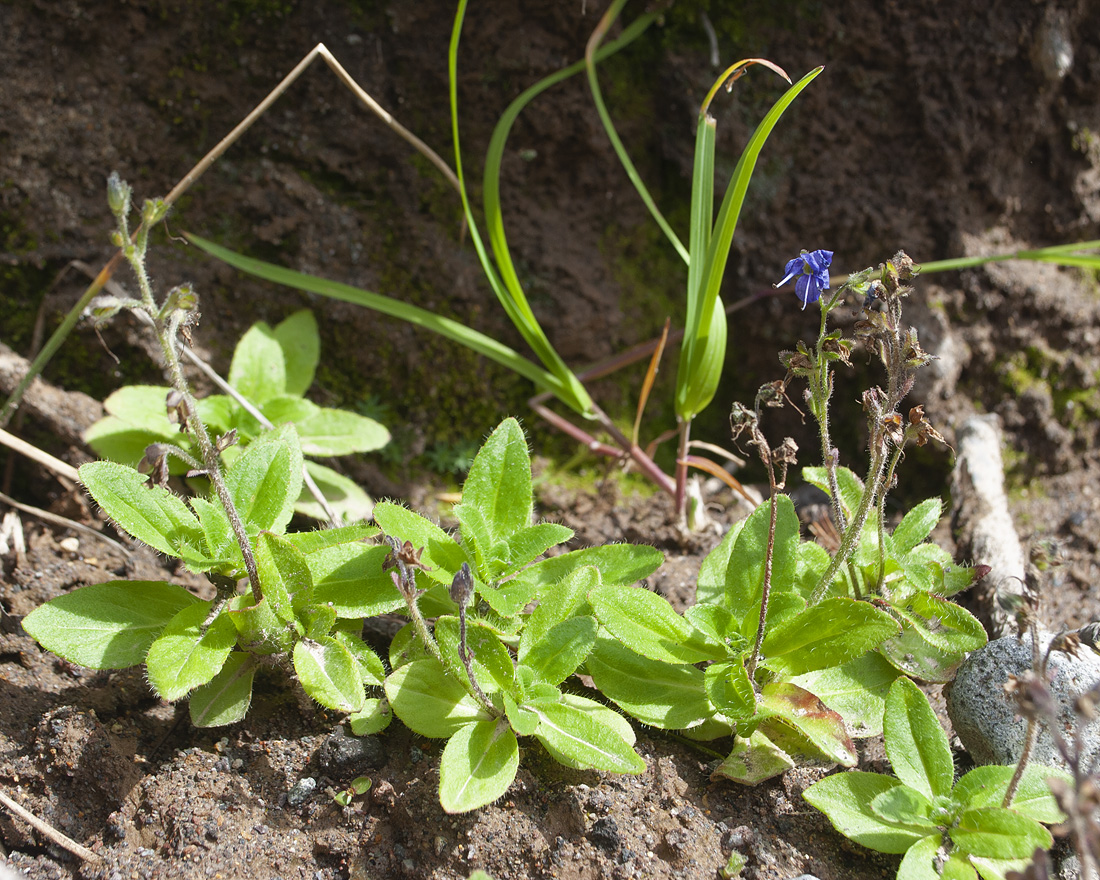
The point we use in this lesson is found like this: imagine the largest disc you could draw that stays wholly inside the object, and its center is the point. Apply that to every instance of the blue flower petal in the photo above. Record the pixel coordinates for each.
(810, 272)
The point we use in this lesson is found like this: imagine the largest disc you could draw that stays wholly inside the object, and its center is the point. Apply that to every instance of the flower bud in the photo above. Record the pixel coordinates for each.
(118, 195)
(462, 587)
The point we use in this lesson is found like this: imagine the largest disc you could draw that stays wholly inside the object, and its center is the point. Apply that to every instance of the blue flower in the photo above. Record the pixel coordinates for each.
(811, 274)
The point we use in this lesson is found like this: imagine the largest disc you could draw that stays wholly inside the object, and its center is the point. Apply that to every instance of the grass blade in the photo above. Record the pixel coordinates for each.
(590, 57)
(452, 330)
(697, 379)
(568, 387)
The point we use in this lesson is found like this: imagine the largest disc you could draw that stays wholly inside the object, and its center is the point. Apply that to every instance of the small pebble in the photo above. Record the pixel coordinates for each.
(301, 791)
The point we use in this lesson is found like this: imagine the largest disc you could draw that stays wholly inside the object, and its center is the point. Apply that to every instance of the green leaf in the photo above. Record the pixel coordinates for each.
(713, 573)
(619, 565)
(745, 571)
(149, 513)
(189, 654)
(919, 862)
(349, 577)
(490, 660)
(528, 543)
(442, 556)
(137, 418)
(821, 726)
(258, 370)
(995, 869)
(569, 599)
(958, 866)
(648, 624)
(668, 696)
(116, 439)
(917, 525)
(996, 833)
(753, 760)
(478, 764)
(846, 799)
(338, 432)
(142, 406)
(329, 674)
(311, 542)
(915, 743)
(284, 575)
(226, 697)
(266, 480)
(812, 563)
(857, 690)
(222, 551)
(496, 497)
(406, 646)
(585, 740)
(903, 805)
(936, 635)
(731, 692)
(851, 486)
(556, 656)
(374, 717)
(109, 625)
(429, 701)
(317, 621)
(717, 623)
(371, 669)
(218, 412)
(986, 787)
(259, 628)
(301, 346)
(346, 499)
(607, 716)
(829, 634)
(281, 410)
(523, 719)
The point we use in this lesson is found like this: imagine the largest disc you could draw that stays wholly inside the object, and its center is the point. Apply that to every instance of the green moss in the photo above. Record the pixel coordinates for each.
(583, 473)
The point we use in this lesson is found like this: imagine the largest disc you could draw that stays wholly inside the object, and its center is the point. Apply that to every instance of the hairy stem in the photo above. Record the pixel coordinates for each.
(421, 626)
(822, 390)
(855, 527)
(887, 481)
(166, 330)
(468, 662)
(765, 590)
(209, 456)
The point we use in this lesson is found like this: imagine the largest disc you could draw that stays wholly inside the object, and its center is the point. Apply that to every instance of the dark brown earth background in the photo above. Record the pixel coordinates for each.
(941, 129)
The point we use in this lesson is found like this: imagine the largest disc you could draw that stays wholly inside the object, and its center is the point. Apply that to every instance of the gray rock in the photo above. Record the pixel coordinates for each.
(301, 791)
(340, 754)
(985, 717)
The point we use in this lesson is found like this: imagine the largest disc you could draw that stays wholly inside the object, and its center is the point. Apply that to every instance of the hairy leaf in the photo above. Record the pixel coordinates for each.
(266, 480)
(829, 634)
(226, 697)
(429, 701)
(149, 513)
(668, 696)
(189, 653)
(585, 740)
(478, 764)
(846, 799)
(648, 624)
(329, 674)
(109, 625)
(915, 743)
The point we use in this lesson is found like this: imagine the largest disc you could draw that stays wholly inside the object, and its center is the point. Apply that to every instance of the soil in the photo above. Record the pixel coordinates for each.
(938, 130)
